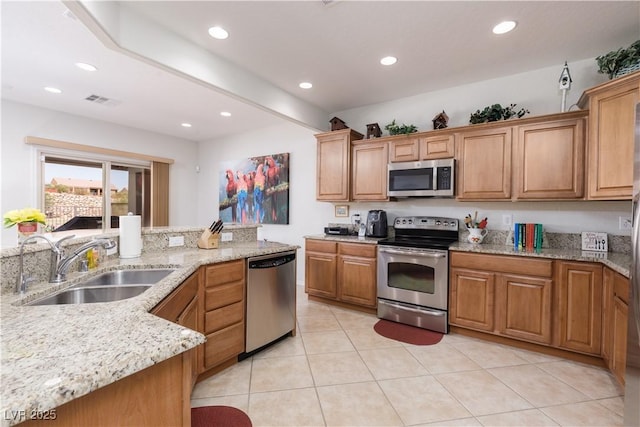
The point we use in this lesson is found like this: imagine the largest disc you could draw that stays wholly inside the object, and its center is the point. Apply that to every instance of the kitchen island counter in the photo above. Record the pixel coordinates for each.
(54, 354)
(619, 262)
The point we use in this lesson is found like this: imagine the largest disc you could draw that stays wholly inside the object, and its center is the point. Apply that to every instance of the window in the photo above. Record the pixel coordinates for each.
(83, 193)
(145, 177)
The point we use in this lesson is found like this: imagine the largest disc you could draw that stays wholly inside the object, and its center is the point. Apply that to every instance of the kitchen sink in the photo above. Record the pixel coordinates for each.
(126, 277)
(94, 294)
(106, 287)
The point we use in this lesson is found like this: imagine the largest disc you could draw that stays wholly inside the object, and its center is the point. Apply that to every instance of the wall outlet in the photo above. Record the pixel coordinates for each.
(176, 241)
(507, 220)
(226, 237)
(625, 223)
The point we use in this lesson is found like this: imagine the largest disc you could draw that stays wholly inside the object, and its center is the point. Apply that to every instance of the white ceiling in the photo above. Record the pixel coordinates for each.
(336, 46)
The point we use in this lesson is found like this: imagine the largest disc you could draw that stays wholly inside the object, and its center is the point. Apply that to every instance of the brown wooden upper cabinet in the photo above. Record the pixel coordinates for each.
(611, 137)
(334, 164)
(484, 163)
(535, 158)
(413, 148)
(549, 159)
(369, 160)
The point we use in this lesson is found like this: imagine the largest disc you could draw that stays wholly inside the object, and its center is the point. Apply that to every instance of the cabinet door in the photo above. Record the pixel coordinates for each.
(403, 150)
(580, 306)
(484, 166)
(471, 299)
(357, 280)
(320, 274)
(523, 307)
(611, 140)
(369, 171)
(333, 164)
(619, 338)
(189, 319)
(437, 147)
(549, 160)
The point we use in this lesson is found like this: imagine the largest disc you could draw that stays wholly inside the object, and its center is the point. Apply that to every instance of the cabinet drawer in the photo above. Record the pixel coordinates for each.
(321, 246)
(357, 249)
(222, 295)
(221, 318)
(621, 287)
(175, 303)
(224, 273)
(502, 264)
(223, 345)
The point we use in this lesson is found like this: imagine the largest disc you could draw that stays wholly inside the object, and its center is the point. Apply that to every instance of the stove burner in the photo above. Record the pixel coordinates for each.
(423, 232)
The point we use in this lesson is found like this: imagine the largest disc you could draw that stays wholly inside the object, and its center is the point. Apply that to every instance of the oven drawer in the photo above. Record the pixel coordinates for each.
(503, 264)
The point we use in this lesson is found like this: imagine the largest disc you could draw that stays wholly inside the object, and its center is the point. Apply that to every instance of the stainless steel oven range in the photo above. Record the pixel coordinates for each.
(413, 272)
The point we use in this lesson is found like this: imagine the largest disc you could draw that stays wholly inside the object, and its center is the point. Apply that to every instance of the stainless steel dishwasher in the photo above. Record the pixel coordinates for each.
(271, 298)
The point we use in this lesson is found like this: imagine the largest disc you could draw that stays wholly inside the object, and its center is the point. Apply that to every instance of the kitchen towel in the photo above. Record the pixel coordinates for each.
(130, 236)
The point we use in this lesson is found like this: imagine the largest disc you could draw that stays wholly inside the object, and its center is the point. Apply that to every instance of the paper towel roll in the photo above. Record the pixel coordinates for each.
(130, 236)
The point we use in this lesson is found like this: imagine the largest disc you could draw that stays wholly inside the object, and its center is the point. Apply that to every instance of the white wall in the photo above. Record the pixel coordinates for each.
(18, 161)
(536, 91)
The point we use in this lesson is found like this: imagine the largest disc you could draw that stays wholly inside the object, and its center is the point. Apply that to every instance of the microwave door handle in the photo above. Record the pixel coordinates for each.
(411, 253)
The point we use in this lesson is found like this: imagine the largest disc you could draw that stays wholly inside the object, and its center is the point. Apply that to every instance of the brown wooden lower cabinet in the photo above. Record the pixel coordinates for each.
(572, 306)
(159, 395)
(223, 293)
(341, 272)
(614, 337)
(579, 306)
(523, 307)
(503, 295)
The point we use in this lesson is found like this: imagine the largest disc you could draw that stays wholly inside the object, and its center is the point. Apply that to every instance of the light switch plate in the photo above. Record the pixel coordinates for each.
(176, 241)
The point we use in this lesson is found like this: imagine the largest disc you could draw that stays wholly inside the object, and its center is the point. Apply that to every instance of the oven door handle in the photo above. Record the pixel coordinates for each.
(414, 310)
(412, 253)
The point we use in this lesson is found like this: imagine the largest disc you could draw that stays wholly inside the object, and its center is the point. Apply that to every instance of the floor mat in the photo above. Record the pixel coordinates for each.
(219, 416)
(407, 334)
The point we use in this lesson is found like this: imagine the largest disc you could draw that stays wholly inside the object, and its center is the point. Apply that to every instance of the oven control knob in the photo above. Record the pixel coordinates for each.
(446, 223)
(410, 221)
(437, 222)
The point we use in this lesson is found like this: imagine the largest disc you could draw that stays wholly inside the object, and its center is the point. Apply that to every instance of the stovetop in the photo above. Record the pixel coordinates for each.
(424, 232)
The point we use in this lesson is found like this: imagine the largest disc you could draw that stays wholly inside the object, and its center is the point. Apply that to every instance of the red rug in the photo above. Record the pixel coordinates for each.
(407, 334)
(219, 416)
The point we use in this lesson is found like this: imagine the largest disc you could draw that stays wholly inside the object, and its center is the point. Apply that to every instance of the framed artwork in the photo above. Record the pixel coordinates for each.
(342, 210)
(255, 190)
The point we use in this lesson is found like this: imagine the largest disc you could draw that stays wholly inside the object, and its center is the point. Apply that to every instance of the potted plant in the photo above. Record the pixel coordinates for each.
(394, 129)
(26, 219)
(619, 62)
(496, 112)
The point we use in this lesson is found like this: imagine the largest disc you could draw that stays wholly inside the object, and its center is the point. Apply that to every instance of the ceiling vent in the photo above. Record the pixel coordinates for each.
(97, 99)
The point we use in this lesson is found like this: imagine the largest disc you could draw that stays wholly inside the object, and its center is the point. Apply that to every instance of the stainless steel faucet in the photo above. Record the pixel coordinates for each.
(59, 271)
(22, 281)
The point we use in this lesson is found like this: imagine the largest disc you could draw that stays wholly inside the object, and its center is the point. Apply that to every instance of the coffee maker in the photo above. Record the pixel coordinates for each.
(376, 224)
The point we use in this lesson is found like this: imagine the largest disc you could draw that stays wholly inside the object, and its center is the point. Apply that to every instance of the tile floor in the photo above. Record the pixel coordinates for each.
(338, 372)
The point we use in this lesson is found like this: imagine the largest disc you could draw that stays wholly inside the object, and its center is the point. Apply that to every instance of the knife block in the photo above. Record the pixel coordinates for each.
(208, 240)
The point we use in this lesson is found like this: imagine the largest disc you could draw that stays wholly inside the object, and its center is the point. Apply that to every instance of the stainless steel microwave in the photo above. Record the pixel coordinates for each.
(426, 178)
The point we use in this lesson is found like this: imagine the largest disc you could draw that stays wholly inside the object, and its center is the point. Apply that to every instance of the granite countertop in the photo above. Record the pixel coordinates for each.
(345, 238)
(54, 354)
(620, 262)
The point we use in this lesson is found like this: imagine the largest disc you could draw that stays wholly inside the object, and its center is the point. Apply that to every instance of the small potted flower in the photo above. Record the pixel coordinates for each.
(26, 219)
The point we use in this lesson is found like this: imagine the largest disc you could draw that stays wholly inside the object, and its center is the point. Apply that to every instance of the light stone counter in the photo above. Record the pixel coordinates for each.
(54, 354)
(346, 238)
(620, 262)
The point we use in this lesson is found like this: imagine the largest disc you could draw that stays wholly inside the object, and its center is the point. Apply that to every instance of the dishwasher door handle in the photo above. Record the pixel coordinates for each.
(271, 261)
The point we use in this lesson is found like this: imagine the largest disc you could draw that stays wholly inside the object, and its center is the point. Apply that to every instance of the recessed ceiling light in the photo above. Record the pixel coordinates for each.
(388, 60)
(186, 125)
(85, 66)
(225, 114)
(504, 27)
(218, 33)
(52, 89)
(305, 85)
